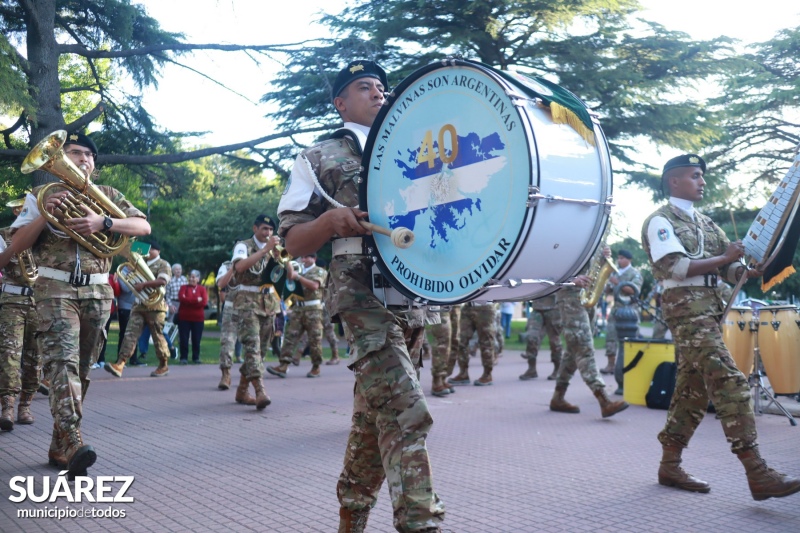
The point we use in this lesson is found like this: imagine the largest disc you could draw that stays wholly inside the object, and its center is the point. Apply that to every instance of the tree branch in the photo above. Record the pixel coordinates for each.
(86, 119)
(149, 50)
(14, 127)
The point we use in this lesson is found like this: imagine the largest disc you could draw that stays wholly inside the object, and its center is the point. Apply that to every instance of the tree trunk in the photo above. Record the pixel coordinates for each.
(43, 65)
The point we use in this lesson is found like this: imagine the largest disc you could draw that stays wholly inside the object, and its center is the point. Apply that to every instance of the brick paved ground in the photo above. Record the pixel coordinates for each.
(503, 462)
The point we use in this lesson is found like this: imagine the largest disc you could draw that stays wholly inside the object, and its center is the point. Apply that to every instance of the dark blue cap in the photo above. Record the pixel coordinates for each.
(686, 160)
(80, 139)
(356, 70)
(264, 219)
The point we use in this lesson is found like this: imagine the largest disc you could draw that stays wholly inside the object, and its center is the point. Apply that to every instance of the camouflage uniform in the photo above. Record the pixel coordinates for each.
(254, 310)
(72, 318)
(579, 353)
(544, 318)
(227, 329)
(706, 370)
(20, 360)
(440, 351)
(477, 318)
(329, 333)
(455, 321)
(391, 419)
(306, 318)
(630, 275)
(154, 316)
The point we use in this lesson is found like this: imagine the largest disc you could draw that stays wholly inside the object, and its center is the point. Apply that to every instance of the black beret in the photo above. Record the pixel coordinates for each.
(155, 245)
(80, 139)
(686, 160)
(625, 253)
(356, 70)
(264, 219)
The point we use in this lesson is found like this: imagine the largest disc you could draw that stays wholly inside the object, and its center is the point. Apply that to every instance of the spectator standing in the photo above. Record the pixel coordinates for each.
(506, 314)
(192, 299)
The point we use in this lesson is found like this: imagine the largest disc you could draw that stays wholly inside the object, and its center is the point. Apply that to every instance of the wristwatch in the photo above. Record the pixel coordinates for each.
(107, 223)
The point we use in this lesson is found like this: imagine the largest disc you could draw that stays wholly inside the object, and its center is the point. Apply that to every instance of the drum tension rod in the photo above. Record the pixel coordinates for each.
(514, 282)
(534, 195)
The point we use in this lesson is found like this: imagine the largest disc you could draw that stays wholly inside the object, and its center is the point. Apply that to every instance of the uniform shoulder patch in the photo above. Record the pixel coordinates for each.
(663, 234)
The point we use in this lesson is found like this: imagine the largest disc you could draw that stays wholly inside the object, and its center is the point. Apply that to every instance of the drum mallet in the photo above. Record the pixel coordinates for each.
(401, 237)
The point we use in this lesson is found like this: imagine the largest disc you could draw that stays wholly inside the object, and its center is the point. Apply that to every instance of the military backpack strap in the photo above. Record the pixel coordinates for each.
(346, 132)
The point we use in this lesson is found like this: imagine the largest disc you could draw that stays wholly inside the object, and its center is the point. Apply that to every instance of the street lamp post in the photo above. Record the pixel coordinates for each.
(149, 192)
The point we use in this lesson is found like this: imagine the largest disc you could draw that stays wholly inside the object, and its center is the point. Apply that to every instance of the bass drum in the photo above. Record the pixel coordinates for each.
(505, 202)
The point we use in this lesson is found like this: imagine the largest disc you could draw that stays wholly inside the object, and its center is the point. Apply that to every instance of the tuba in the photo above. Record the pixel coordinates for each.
(28, 270)
(134, 271)
(48, 155)
(600, 273)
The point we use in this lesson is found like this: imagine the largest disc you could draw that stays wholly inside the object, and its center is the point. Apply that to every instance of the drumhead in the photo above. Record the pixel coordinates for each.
(448, 158)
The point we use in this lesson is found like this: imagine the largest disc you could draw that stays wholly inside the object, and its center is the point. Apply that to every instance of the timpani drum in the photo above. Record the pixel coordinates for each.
(739, 339)
(779, 347)
(505, 201)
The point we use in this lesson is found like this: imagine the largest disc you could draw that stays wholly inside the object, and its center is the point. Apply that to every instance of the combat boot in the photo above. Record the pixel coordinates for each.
(609, 369)
(115, 369)
(243, 392)
(486, 378)
(353, 521)
(531, 373)
(55, 455)
(314, 372)
(24, 415)
(161, 371)
(559, 404)
(670, 473)
(439, 388)
(7, 416)
(225, 381)
(461, 379)
(262, 400)
(279, 370)
(607, 407)
(335, 360)
(79, 456)
(44, 387)
(764, 481)
(556, 361)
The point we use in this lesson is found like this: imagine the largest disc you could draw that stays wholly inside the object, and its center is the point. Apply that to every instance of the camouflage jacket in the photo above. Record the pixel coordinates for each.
(263, 304)
(314, 273)
(12, 275)
(161, 270)
(691, 239)
(545, 303)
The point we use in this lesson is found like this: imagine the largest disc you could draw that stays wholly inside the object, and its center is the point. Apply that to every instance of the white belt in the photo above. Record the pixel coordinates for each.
(348, 246)
(307, 303)
(252, 288)
(708, 281)
(19, 291)
(68, 277)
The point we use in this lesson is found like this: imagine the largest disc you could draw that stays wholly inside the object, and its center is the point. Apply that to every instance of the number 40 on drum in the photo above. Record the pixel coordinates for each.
(426, 150)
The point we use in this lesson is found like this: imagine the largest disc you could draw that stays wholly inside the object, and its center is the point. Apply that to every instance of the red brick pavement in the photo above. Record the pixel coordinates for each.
(503, 462)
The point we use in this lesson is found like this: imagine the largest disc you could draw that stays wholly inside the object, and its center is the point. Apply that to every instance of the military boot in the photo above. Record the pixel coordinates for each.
(764, 481)
(462, 378)
(559, 404)
(162, 370)
(609, 369)
(7, 415)
(24, 415)
(243, 392)
(44, 387)
(314, 372)
(55, 455)
(335, 360)
(439, 387)
(353, 521)
(262, 400)
(556, 361)
(79, 456)
(486, 378)
(225, 381)
(115, 369)
(279, 370)
(607, 407)
(531, 373)
(670, 473)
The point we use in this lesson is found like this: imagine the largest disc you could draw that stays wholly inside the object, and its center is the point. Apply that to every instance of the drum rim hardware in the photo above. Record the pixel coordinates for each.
(534, 195)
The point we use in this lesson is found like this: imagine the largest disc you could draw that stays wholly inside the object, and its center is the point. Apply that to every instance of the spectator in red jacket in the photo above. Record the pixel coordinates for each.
(191, 318)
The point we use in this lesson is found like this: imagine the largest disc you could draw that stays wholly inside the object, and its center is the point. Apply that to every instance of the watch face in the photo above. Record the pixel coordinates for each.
(107, 223)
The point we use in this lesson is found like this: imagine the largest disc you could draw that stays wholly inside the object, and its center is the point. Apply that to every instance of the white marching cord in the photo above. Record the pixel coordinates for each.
(401, 237)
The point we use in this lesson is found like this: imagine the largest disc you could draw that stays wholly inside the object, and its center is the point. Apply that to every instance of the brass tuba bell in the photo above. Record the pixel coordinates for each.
(134, 271)
(48, 155)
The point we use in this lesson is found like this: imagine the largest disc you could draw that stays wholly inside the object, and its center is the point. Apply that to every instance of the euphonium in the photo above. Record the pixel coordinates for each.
(27, 265)
(600, 273)
(48, 155)
(134, 271)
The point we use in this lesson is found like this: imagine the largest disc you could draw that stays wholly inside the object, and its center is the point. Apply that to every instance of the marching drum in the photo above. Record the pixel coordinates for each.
(779, 347)
(505, 202)
(739, 339)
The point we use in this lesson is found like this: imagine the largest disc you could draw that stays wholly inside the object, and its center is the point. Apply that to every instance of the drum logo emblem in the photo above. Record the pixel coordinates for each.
(663, 234)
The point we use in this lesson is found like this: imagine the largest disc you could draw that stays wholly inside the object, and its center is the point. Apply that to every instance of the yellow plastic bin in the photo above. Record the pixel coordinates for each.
(639, 374)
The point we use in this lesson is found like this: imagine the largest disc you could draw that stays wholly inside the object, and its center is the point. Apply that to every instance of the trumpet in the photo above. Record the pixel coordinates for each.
(600, 273)
(134, 271)
(48, 155)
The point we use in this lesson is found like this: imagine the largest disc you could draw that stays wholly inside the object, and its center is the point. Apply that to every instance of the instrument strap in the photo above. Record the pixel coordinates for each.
(346, 132)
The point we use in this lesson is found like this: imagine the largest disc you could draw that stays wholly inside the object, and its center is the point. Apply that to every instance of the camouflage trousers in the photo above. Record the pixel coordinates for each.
(329, 333)
(706, 371)
(70, 337)
(389, 428)
(659, 329)
(455, 322)
(303, 320)
(155, 321)
(579, 353)
(541, 322)
(255, 333)
(480, 319)
(227, 337)
(20, 360)
(440, 350)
